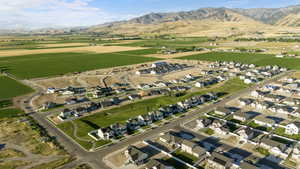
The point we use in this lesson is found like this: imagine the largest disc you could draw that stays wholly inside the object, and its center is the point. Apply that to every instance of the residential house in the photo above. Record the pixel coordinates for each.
(276, 148)
(202, 123)
(259, 93)
(243, 116)
(171, 139)
(118, 129)
(273, 98)
(245, 133)
(223, 111)
(291, 101)
(157, 116)
(134, 96)
(247, 165)
(245, 101)
(105, 133)
(192, 148)
(65, 114)
(264, 105)
(293, 128)
(158, 164)
(219, 161)
(51, 90)
(136, 156)
(296, 152)
(264, 121)
(133, 124)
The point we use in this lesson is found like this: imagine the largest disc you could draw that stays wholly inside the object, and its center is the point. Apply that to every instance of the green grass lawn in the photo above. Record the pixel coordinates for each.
(262, 151)
(44, 65)
(123, 113)
(176, 164)
(10, 113)
(189, 158)
(281, 131)
(251, 58)
(11, 88)
(258, 127)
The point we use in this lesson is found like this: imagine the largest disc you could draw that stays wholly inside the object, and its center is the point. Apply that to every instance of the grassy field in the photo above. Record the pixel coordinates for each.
(45, 65)
(178, 42)
(11, 88)
(257, 59)
(140, 52)
(123, 113)
(10, 113)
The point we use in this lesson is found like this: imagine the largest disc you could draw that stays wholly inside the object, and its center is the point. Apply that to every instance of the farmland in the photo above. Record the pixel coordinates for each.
(10, 88)
(123, 113)
(178, 42)
(251, 58)
(45, 65)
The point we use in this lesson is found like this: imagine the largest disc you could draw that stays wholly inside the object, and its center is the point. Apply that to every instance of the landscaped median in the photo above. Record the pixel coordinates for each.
(122, 114)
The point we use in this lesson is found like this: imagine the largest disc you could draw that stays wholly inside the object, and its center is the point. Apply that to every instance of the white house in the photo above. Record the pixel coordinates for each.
(292, 128)
(51, 90)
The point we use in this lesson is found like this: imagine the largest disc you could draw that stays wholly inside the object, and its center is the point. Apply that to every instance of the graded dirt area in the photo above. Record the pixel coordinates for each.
(94, 49)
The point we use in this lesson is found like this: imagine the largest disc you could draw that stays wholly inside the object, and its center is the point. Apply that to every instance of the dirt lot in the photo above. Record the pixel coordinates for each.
(58, 82)
(94, 49)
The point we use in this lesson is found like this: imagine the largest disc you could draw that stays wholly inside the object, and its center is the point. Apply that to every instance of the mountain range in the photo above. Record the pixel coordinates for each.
(207, 20)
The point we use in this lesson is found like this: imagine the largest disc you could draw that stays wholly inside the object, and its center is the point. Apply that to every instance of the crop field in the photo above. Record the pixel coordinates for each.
(123, 113)
(45, 65)
(140, 52)
(250, 58)
(179, 42)
(11, 88)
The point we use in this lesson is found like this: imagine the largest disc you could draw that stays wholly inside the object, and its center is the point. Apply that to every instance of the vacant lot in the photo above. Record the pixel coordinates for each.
(258, 59)
(11, 88)
(95, 49)
(44, 65)
(123, 113)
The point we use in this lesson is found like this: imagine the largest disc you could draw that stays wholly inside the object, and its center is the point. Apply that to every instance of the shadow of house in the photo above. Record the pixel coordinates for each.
(265, 163)
(276, 119)
(93, 125)
(238, 154)
(2, 146)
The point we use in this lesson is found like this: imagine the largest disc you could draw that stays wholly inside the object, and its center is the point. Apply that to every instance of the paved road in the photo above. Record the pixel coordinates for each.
(95, 159)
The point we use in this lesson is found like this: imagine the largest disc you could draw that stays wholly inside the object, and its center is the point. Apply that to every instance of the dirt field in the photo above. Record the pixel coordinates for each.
(94, 49)
(164, 56)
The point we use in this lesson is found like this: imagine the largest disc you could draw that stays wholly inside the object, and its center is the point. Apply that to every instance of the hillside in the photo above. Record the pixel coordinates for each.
(208, 22)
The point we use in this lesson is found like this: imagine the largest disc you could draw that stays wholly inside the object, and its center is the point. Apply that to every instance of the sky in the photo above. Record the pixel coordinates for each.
(34, 14)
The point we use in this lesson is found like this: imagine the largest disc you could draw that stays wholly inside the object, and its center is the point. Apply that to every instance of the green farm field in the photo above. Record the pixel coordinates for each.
(46, 65)
(178, 42)
(250, 58)
(123, 113)
(11, 88)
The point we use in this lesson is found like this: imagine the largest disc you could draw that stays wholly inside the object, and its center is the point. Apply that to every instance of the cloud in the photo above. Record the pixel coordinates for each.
(52, 13)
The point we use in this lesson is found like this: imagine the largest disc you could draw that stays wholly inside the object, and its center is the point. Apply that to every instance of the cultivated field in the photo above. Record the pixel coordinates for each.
(251, 58)
(93, 49)
(10, 88)
(45, 65)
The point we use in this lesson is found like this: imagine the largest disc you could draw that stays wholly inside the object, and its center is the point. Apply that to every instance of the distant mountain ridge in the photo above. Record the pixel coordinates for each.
(205, 18)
